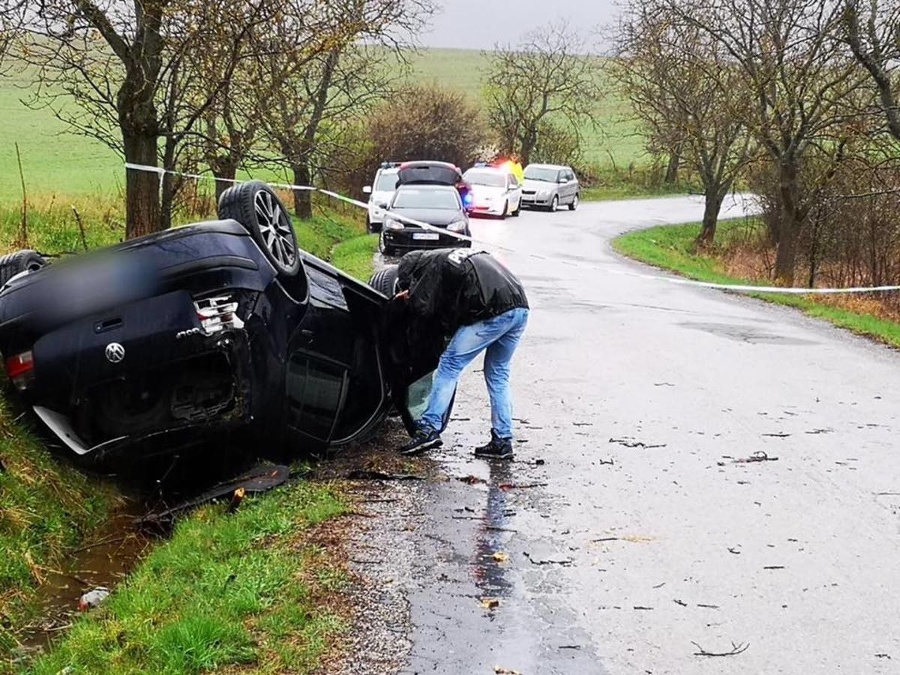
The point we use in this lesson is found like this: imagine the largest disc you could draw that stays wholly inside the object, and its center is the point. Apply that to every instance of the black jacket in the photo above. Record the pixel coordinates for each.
(458, 287)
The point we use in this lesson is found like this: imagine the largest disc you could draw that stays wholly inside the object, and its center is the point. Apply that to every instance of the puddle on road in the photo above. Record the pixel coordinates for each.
(493, 533)
(749, 334)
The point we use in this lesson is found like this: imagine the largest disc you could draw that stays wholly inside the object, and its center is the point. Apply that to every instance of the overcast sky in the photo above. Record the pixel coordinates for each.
(478, 24)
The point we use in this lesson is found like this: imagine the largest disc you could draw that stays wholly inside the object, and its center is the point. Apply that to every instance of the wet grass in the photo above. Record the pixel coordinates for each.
(672, 248)
(46, 508)
(241, 589)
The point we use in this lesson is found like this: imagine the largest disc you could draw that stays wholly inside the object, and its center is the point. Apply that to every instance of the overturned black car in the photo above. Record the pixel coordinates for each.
(195, 334)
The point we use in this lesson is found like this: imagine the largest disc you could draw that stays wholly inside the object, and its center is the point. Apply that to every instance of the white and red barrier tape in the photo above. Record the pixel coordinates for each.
(738, 288)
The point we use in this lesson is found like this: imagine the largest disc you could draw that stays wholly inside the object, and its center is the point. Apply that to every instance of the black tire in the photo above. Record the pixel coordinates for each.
(574, 204)
(384, 248)
(255, 206)
(515, 214)
(505, 210)
(385, 281)
(554, 204)
(18, 262)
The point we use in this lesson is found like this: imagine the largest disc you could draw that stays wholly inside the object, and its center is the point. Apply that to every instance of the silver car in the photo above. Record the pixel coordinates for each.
(550, 186)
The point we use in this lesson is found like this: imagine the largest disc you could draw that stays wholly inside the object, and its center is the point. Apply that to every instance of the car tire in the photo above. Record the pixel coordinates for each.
(515, 214)
(505, 210)
(574, 204)
(18, 262)
(554, 204)
(255, 206)
(384, 248)
(385, 281)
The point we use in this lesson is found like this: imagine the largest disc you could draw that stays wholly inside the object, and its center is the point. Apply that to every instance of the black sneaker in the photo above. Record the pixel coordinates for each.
(422, 440)
(497, 448)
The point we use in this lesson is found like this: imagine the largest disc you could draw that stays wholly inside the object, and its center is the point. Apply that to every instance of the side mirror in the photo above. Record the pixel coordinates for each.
(563, 180)
(367, 190)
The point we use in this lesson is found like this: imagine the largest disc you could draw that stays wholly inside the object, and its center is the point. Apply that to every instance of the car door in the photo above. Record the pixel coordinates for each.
(334, 381)
(411, 350)
(571, 185)
(514, 193)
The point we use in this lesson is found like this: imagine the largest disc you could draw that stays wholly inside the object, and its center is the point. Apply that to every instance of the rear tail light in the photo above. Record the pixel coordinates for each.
(20, 370)
(218, 314)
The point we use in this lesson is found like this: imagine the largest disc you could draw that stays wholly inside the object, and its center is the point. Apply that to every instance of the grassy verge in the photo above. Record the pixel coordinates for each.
(46, 508)
(671, 248)
(245, 589)
(249, 588)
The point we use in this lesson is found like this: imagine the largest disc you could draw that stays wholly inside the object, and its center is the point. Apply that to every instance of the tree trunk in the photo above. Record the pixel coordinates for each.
(672, 167)
(786, 251)
(711, 208)
(302, 198)
(224, 174)
(528, 144)
(141, 187)
(169, 185)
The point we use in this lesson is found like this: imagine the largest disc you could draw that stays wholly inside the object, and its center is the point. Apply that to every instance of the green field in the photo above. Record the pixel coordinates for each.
(57, 163)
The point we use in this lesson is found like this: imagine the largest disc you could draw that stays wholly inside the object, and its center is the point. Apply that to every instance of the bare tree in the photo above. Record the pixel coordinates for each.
(317, 98)
(687, 94)
(872, 30)
(126, 64)
(548, 76)
(790, 54)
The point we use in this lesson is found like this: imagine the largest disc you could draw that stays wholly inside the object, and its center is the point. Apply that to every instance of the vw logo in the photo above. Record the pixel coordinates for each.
(115, 352)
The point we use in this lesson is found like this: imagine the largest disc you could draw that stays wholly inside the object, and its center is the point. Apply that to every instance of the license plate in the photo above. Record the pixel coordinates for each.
(428, 236)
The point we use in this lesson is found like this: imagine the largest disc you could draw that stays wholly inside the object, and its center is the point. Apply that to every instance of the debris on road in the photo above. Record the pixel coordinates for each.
(500, 670)
(520, 486)
(471, 480)
(364, 474)
(501, 557)
(736, 648)
(490, 603)
(630, 443)
(758, 456)
(547, 560)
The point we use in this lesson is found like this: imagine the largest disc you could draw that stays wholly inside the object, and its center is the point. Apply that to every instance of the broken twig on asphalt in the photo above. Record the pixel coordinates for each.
(758, 456)
(635, 444)
(736, 648)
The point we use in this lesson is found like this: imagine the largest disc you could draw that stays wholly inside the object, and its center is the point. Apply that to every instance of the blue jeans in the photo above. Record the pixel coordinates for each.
(499, 336)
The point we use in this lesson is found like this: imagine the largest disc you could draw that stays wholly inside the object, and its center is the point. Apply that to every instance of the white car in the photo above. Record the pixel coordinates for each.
(380, 192)
(495, 192)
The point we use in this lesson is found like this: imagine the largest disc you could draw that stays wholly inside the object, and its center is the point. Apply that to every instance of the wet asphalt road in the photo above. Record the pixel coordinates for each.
(641, 539)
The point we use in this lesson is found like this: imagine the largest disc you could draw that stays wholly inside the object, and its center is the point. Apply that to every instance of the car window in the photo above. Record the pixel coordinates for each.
(541, 173)
(315, 393)
(387, 181)
(426, 199)
(570, 175)
(486, 178)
